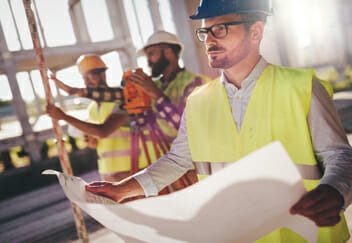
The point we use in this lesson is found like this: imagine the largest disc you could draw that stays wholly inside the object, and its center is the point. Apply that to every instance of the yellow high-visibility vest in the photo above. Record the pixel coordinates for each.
(114, 150)
(277, 110)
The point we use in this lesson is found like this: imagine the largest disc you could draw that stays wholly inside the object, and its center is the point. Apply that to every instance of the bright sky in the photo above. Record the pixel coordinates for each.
(58, 30)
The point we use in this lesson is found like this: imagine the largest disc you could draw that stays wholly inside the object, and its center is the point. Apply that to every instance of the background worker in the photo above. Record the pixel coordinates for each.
(251, 105)
(106, 127)
(169, 93)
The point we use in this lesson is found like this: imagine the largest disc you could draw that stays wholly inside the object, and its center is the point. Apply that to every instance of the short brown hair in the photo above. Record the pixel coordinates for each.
(253, 17)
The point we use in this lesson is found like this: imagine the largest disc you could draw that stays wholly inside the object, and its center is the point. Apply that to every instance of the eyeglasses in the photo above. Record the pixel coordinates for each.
(217, 30)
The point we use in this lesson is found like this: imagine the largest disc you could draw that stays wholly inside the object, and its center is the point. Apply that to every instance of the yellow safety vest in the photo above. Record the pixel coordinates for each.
(277, 110)
(114, 150)
(174, 91)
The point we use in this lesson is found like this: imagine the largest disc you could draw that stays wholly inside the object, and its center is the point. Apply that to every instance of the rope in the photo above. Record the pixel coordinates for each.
(64, 160)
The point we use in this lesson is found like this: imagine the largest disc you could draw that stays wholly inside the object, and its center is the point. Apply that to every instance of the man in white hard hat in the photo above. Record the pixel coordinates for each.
(169, 92)
(163, 51)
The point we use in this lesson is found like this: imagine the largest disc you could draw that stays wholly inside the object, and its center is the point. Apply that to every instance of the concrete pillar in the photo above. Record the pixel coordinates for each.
(279, 21)
(183, 29)
(194, 56)
(79, 24)
(36, 97)
(345, 9)
(31, 144)
(154, 10)
(121, 32)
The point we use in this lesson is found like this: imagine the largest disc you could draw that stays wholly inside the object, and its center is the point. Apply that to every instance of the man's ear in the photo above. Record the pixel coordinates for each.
(256, 31)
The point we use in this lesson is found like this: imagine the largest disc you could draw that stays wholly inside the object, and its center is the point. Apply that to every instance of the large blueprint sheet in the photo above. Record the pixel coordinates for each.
(240, 203)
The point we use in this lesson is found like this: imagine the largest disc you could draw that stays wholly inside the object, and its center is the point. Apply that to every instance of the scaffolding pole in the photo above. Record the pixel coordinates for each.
(64, 160)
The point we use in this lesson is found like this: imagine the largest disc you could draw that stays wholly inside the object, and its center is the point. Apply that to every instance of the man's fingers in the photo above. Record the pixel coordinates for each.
(329, 213)
(49, 108)
(96, 188)
(140, 79)
(321, 207)
(53, 111)
(105, 189)
(99, 183)
(330, 221)
(137, 79)
(142, 74)
(307, 201)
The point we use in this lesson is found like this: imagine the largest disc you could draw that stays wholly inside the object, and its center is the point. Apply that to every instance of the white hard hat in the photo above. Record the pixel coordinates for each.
(160, 37)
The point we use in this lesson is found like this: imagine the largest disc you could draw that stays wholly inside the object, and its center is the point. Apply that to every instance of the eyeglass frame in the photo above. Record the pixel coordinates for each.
(226, 24)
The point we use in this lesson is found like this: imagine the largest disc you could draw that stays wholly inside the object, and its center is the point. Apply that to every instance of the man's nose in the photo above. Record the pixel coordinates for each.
(209, 39)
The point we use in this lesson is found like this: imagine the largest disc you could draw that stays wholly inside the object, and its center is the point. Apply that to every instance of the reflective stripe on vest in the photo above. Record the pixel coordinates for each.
(114, 150)
(119, 134)
(120, 152)
(116, 153)
(308, 172)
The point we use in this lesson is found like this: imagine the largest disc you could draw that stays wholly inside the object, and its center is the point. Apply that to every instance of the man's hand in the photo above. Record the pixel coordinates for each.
(322, 205)
(119, 192)
(55, 112)
(143, 81)
(68, 89)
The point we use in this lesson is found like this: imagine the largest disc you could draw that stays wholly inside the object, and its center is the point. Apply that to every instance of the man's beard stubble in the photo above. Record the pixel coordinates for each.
(158, 67)
(216, 62)
(233, 57)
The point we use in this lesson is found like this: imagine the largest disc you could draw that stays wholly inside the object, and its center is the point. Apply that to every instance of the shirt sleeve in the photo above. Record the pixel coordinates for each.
(169, 167)
(330, 142)
(107, 94)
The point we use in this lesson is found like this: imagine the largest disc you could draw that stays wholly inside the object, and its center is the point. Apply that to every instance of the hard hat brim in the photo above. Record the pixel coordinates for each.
(199, 16)
(141, 51)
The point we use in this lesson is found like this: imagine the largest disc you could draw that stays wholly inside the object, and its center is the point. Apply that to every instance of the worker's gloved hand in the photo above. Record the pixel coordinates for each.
(322, 205)
(119, 192)
(143, 81)
(55, 112)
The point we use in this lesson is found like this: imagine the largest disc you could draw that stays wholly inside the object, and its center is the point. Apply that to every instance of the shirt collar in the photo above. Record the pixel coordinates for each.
(252, 77)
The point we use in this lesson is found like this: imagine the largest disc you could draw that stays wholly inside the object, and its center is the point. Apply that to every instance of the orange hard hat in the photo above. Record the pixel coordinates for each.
(90, 62)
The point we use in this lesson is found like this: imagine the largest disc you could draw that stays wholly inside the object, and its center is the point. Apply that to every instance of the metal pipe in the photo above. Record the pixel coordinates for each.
(37, 102)
(15, 23)
(39, 23)
(138, 24)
